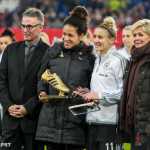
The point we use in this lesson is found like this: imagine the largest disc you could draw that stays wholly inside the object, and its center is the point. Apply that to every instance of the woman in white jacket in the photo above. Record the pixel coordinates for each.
(127, 39)
(106, 88)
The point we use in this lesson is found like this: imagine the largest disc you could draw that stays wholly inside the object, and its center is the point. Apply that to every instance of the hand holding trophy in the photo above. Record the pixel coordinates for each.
(55, 81)
(80, 93)
(91, 106)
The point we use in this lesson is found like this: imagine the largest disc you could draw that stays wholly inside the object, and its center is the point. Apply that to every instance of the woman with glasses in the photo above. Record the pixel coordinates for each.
(73, 62)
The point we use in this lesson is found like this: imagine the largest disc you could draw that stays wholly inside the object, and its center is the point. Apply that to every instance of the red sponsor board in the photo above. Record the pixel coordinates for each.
(52, 32)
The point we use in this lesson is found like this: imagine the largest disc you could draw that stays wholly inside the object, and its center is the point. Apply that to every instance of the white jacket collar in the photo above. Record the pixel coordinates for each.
(110, 51)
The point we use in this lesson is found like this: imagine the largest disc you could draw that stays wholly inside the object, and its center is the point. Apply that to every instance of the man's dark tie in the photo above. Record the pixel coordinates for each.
(28, 54)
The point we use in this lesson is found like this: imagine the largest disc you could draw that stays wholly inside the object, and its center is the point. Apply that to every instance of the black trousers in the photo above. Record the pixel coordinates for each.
(55, 146)
(15, 139)
(100, 137)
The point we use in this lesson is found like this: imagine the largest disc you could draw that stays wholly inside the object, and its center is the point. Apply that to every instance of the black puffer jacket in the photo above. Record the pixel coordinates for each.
(142, 102)
(56, 123)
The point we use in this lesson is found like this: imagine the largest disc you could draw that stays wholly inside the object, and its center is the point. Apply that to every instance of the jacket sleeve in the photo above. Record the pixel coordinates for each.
(4, 87)
(41, 86)
(31, 104)
(111, 97)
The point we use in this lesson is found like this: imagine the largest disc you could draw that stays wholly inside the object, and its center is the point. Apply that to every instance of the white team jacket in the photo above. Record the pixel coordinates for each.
(123, 52)
(107, 81)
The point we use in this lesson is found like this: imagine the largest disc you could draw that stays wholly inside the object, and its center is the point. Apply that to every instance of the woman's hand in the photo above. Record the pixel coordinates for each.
(90, 97)
(43, 99)
(80, 89)
(79, 92)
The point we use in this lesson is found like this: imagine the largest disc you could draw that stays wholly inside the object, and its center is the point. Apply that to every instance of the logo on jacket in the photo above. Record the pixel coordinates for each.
(106, 65)
(80, 58)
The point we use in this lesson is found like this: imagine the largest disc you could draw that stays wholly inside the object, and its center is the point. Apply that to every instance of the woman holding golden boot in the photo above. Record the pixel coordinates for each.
(72, 61)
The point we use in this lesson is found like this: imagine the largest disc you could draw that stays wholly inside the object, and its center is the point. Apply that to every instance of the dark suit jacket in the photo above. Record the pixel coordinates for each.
(18, 86)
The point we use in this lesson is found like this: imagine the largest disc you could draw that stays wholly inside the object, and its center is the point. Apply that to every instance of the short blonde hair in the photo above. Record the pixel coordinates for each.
(129, 27)
(44, 37)
(144, 24)
(110, 25)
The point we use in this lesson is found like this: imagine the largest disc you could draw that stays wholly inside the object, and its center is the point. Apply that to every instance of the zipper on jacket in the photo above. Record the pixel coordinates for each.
(98, 64)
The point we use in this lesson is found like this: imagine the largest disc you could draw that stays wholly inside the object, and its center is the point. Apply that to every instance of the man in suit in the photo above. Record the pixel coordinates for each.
(18, 84)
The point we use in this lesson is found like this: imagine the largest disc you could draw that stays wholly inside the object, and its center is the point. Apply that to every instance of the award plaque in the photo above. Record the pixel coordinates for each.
(84, 108)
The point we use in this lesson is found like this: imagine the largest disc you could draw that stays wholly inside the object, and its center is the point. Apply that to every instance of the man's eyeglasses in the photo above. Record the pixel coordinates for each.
(28, 27)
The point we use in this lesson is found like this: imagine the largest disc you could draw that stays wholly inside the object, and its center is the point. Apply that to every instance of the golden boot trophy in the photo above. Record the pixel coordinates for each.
(55, 81)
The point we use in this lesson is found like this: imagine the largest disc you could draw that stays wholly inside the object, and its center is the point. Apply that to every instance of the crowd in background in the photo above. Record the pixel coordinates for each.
(124, 12)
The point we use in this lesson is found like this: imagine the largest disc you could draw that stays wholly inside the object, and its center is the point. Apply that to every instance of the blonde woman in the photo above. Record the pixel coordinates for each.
(106, 88)
(127, 39)
(135, 105)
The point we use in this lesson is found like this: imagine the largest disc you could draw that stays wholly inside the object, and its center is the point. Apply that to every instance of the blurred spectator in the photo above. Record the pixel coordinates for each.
(45, 38)
(114, 4)
(127, 39)
(6, 38)
(88, 37)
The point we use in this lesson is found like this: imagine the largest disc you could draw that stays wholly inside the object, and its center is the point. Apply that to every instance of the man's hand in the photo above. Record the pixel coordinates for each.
(17, 111)
(21, 109)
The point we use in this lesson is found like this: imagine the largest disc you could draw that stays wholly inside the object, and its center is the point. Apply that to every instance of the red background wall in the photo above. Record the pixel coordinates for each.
(52, 32)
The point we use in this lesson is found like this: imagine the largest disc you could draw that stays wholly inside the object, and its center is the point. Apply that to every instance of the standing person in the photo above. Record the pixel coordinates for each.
(127, 39)
(6, 38)
(73, 62)
(18, 83)
(135, 105)
(106, 88)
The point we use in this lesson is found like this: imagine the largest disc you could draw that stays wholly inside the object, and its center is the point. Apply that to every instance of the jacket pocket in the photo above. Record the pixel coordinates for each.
(47, 115)
(147, 129)
(76, 121)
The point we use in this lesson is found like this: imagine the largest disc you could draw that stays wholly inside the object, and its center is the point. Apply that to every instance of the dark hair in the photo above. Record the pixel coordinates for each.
(79, 19)
(8, 32)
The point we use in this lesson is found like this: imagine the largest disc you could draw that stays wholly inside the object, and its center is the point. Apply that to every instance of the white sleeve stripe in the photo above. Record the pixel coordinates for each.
(122, 60)
(112, 98)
